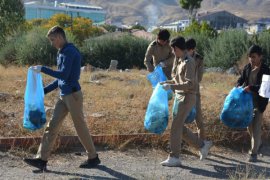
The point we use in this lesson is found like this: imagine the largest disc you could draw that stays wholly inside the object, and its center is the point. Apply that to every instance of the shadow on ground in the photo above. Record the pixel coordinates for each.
(238, 169)
(113, 173)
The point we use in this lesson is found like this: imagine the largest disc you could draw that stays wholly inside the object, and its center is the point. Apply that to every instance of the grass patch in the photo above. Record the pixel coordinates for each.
(117, 105)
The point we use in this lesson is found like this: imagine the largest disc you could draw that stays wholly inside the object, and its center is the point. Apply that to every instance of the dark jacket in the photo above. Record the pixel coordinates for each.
(68, 71)
(243, 81)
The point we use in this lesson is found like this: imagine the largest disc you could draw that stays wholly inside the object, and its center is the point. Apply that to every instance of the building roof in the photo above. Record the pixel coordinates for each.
(71, 5)
(80, 6)
(205, 14)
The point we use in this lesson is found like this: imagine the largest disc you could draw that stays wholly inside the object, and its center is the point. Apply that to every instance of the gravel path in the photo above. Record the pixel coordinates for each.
(140, 164)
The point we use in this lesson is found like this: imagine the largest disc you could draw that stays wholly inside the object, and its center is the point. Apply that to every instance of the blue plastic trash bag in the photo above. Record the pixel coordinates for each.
(237, 111)
(34, 111)
(191, 115)
(158, 76)
(157, 113)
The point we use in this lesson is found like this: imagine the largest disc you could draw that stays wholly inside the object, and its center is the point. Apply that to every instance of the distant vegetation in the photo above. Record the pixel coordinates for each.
(100, 45)
(11, 18)
(127, 49)
(167, 11)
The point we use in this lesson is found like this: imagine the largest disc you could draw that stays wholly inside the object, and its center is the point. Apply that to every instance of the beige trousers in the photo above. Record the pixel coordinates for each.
(198, 118)
(255, 131)
(72, 103)
(178, 129)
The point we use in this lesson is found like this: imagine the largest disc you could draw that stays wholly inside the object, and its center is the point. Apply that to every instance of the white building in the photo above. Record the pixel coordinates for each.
(255, 28)
(46, 10)
(177, 25)
(260, 25)
(217, 19)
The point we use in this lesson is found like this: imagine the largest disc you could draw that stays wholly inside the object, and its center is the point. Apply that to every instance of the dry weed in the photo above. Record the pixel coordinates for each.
(116, 105)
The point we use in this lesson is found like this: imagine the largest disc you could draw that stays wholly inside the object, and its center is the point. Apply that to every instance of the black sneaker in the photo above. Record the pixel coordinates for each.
(90, 163)
(38, 163)
(252, 158)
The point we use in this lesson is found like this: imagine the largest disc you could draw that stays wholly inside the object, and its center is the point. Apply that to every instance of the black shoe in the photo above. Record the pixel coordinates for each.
(90, 163)
(252, 158)
(38, 163)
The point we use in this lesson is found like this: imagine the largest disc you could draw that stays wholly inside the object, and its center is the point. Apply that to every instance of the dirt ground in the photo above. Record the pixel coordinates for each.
(132, 164)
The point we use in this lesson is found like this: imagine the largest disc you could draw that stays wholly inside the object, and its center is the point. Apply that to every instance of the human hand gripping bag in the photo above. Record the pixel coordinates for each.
(34, 110)
(157, 113)
(237, 111)
(158, 76)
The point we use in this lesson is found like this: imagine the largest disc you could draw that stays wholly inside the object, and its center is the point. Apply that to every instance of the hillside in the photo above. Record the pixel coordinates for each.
(156, 12)
(149, 12)
(248, 9)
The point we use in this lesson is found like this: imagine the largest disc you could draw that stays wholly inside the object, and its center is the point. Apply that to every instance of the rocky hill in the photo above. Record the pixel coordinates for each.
(149, 12)
(156, 12)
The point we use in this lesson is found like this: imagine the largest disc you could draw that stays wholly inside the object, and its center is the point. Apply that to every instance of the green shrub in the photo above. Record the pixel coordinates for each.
(127, 49)
(202, 42)
(108, 27)
(8, 52)
(226, 49)
(29, 48)
(204, 29)
(264, 39)
(11, 18)
(34, 48)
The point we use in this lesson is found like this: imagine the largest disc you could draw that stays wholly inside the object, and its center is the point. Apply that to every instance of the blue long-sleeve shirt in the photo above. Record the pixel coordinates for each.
(68, 71)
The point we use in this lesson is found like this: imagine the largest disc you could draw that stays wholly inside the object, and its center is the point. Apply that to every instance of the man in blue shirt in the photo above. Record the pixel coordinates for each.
(71, 100)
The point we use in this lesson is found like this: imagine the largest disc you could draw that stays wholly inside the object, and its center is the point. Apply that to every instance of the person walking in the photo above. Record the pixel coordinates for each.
(71, 100)
(184, 84)
(250, 80)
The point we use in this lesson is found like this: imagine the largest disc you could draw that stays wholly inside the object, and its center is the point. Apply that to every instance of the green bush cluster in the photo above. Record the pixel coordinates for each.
(223, 50)
(203, 42)
(11, 18)
(203, 29)
(264, 42)
(32, 47)
(127, 49)
(228, 48)
(8, 52)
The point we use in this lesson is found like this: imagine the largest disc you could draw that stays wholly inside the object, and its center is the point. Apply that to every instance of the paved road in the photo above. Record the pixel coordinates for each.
(139, 164)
